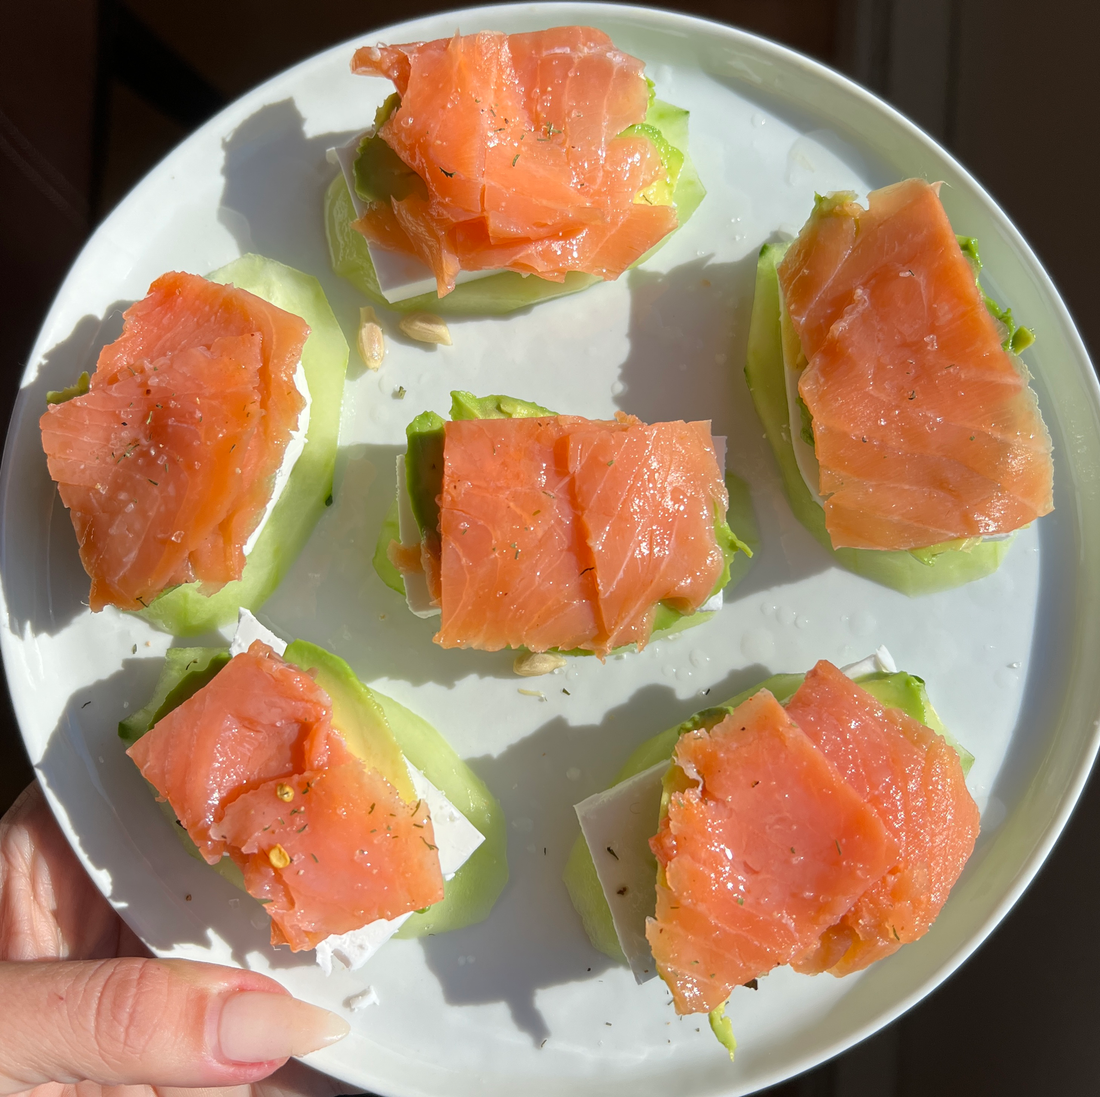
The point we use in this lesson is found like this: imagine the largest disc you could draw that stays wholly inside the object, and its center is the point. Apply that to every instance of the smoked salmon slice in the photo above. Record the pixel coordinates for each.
(914, 781)
(824, 833)
(354, 852)
(924, 426)
(563, 532)
(525, 149)
(258, 719)
(167, 463)
(765, 848)
(252, 766)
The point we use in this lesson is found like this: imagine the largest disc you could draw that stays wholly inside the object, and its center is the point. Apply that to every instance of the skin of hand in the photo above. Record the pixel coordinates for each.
(85, 1011)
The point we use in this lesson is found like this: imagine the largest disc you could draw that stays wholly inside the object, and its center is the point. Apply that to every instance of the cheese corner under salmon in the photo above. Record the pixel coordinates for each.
(617, 825)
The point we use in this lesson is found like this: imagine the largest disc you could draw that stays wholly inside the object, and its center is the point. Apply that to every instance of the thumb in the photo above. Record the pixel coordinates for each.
(137, 1021)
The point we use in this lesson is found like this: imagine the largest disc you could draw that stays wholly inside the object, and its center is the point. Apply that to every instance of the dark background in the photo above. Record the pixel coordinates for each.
(92, 95)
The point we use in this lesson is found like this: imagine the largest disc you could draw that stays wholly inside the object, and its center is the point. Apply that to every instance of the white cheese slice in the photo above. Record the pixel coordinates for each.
(713, 604)
(250, 629)
(416, 582)
(399, 274)
(617, 825)
(455, 836)
(882, 662)
(293, 451)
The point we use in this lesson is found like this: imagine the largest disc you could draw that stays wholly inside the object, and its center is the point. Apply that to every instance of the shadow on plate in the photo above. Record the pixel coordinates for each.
(688, 334)
(534, 939)
(275, 181)
(45, 585)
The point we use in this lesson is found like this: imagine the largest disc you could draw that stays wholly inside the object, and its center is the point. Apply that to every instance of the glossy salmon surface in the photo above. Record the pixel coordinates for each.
(924, 426)
(167, 463)
(518, 141)
(764, 846)
(823, 834)
(914, 781)
(563, 532)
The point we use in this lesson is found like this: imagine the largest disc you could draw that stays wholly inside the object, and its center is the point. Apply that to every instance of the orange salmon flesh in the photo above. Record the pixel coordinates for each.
(167, 463)
(517, 140)
(924, 427)
(564, 532)
(823, 835)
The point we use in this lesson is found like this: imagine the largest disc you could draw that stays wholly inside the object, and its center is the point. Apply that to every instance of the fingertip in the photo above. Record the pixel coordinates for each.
(259, 1027)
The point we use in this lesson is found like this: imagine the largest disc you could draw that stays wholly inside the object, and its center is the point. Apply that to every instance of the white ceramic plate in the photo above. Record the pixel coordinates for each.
(521, 1003)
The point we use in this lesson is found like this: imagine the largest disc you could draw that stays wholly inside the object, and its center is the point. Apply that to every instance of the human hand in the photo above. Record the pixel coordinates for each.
(84, 1007)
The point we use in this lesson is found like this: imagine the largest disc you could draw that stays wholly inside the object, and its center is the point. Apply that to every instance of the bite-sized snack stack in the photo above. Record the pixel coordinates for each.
(343, 812)
(816, 821)
(523, 528)
(198, 456)
(892, 393)
(542, 159)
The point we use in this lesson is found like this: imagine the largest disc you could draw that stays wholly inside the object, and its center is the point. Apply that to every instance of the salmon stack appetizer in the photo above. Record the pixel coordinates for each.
(816, 821)
(924, 428)
(167, 462)
(326, 843)
(343, 813)
(542, 154)
(544, 531)
(824, 835)
(905, 409)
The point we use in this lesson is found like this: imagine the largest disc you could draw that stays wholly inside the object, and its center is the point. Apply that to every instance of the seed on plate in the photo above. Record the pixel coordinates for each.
(530, 664)
(372, 346)
(278, 857)
(284, 792)
(425, 327)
